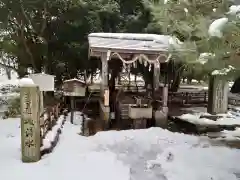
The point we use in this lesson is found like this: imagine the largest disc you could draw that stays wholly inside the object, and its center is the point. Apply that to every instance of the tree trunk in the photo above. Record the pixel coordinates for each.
(175, 84)
(8, 72)
(22, 71)
(236, 86)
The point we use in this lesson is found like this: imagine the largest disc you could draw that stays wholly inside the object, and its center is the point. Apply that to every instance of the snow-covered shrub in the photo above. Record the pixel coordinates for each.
(13, 109)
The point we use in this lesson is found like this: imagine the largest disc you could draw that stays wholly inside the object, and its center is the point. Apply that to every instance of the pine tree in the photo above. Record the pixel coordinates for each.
(189, 20)
(193, 21)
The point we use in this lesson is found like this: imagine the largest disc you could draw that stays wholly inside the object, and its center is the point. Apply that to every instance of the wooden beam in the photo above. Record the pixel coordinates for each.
(131, 51)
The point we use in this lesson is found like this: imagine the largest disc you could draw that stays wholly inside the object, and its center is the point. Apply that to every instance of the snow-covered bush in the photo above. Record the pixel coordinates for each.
(13, 109)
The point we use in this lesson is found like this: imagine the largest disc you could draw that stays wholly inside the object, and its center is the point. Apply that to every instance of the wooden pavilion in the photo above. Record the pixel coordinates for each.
(130, 48)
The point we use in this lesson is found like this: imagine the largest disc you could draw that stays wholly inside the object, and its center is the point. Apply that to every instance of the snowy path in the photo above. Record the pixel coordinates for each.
(152, 154)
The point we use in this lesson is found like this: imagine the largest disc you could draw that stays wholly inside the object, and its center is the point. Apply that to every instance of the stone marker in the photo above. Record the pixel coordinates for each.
(218, 95)
(30, 121)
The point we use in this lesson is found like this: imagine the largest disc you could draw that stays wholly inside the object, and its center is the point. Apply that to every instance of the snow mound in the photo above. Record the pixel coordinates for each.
(176, 163)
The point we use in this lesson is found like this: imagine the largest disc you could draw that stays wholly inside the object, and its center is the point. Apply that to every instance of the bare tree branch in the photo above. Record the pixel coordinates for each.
(24, 40)
(44, 23)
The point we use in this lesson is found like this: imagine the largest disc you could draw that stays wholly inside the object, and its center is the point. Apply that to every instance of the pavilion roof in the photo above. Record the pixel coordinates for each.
(132, 43)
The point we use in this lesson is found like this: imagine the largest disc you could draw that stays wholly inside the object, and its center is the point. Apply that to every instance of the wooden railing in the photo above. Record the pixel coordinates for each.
(48, 118)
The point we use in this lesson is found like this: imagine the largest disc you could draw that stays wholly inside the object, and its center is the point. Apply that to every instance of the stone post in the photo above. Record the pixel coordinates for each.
(217, 95)
(30, 121)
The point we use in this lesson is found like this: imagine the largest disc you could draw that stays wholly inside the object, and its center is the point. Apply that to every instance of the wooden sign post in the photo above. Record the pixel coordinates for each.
(45, 83)
(30, 125)
(74, 88)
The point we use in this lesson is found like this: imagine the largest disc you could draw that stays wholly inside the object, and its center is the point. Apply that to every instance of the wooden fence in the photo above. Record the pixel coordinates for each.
(48, 119)
(188, 97)
(197, 97)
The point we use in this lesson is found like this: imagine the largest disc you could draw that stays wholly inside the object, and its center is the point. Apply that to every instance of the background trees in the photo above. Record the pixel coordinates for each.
(190, 22)
(51, 36)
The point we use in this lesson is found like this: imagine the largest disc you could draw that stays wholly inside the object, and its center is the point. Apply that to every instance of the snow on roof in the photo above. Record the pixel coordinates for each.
(41, 74)
(128, 41)
(70, 80)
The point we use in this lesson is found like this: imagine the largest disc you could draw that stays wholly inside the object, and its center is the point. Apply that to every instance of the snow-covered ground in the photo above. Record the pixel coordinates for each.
(151, 154)
(230, 118)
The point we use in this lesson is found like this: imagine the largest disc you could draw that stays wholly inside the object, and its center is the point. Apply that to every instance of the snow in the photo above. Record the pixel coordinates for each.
(51, 135)
(77, 118)
(223, 71)
(74, 79)
(215, 29)
(26, 82)
(231, 134)
(234, 9)
(150, 154)
(185, 167)
(13, 82)
(71, 159)
(132, 36)
(134, 42)
(204, 57)
(192, 88)
(231, 118)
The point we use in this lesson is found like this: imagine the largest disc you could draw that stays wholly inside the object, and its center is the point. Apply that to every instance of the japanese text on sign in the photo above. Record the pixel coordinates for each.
(27, 103)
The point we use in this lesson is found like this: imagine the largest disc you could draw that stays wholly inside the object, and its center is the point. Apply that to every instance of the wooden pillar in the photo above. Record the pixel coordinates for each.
(72, 108)
(104, 103)
(217, 95)
(156, 75)
(30, 122)
(165, 96)
(104, 83)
